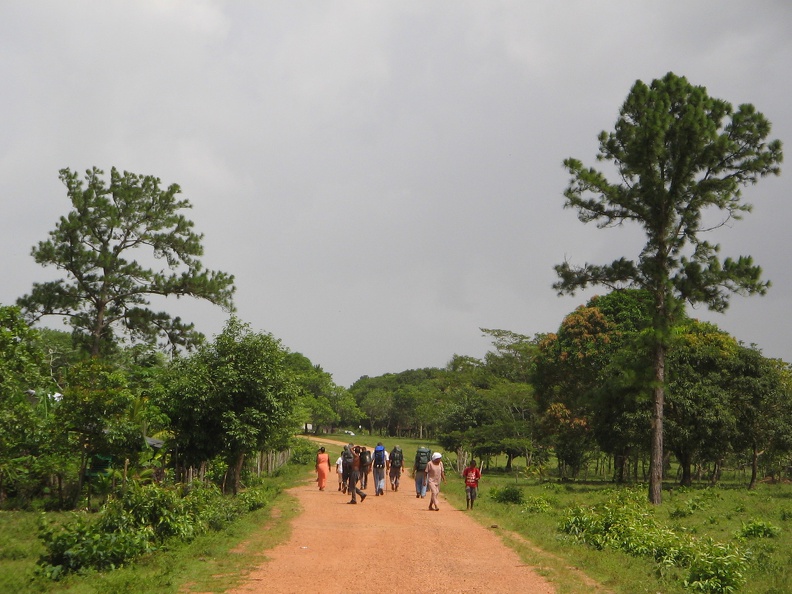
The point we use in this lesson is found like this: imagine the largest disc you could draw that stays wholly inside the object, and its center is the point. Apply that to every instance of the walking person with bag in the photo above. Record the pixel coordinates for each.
(422, 457)
(379, 462)
(395, 467)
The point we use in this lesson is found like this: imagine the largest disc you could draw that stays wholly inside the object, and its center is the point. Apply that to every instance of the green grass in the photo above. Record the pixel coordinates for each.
(757, 522)
(213, 562)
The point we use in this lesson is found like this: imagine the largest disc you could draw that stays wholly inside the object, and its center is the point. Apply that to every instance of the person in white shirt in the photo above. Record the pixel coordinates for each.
(340, 473)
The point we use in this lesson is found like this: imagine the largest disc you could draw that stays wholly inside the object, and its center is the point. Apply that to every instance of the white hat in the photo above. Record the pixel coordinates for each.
(437, 456)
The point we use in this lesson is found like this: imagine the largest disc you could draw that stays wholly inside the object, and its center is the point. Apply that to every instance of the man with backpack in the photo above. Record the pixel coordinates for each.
(379, 461)
(365, 466)
(422, 457)
(395, 467)
(347, 457)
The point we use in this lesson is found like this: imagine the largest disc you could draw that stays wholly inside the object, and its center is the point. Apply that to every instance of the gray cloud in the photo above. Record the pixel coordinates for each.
(382, 178)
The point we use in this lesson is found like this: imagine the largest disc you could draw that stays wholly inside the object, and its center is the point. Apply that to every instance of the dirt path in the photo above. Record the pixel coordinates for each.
(391, 543)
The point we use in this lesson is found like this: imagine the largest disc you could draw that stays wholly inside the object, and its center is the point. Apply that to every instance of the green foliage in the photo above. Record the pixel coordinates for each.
(140, 520)
(508, 494)
(99, 246)
(758, 529)
(538, 505)
(698, 502)
(81, 545)
(303, 451)
(24, 400)
(625, 523)
(232, 397)
(677, 153)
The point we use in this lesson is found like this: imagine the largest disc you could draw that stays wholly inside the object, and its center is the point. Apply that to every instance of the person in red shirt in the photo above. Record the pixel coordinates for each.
(472, 475)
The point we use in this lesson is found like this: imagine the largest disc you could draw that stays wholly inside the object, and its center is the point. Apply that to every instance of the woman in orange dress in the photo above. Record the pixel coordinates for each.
(322, 468)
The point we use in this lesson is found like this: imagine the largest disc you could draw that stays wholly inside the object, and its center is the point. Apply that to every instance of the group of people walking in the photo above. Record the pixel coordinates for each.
(356, 462)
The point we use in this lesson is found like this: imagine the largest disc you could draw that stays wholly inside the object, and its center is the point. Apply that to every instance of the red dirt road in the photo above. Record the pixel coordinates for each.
(388, 544)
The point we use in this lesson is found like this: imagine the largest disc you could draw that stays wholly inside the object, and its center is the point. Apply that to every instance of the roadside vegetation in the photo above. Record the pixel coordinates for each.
(234, 535)
(700, 539)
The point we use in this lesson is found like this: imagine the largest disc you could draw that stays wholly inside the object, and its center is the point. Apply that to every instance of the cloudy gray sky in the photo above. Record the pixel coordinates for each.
(383, 178)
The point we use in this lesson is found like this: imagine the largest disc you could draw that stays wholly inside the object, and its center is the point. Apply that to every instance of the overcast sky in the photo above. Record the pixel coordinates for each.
(383, 178)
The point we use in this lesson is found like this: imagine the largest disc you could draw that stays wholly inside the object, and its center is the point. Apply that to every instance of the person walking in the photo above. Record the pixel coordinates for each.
(472, 476)
(379, 463)
(354, 477)
(340, 473)
(435, 472)
(322, 468)
(422, 457)
(347, 456)
(395, 467)
(365, 466)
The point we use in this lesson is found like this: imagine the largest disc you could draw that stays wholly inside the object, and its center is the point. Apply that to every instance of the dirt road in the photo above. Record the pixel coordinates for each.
(388, 544)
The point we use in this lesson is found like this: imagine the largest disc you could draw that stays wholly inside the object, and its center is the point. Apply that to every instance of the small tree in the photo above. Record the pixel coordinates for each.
(230, 398)
(100, 244)
(677, 153)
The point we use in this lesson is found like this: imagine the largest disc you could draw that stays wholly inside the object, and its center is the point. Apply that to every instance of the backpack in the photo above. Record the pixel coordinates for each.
(365, 459)
(396, 458)
(379, 457)
(346, 461)
(422, 458)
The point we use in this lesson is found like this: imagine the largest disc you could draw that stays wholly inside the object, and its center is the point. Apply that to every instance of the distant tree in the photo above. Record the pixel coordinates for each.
(230, 398)
(762, 407)
(316, 387)
(513, 357)
(677, 153)
(700, 419)
(101, 246)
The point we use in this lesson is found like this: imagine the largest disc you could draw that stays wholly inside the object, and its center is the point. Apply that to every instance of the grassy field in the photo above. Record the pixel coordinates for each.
(756, 525)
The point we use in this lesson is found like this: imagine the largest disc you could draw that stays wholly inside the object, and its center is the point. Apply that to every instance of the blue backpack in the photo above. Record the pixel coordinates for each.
(379, 457)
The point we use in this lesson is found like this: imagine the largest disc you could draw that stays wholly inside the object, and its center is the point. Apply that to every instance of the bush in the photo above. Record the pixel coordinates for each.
(508, 494)
(79, 544)
(139, 521)
(758, 529)
(537, 505)
(303, 451)
(626, 523)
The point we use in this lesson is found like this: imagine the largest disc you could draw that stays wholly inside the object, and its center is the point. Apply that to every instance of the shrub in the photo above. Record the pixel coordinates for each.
(303, 451)
(627, 524)
(716, 568)
(537, 505)
(757, 529)
(508, 494)
(79, 544)
(137, 522)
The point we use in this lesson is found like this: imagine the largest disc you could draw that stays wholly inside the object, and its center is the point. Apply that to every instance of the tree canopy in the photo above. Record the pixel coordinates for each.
(677, 153)
(100, 245)
(232, 397)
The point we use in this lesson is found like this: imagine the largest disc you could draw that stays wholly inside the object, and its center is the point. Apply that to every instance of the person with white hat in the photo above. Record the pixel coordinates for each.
(435, 472)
